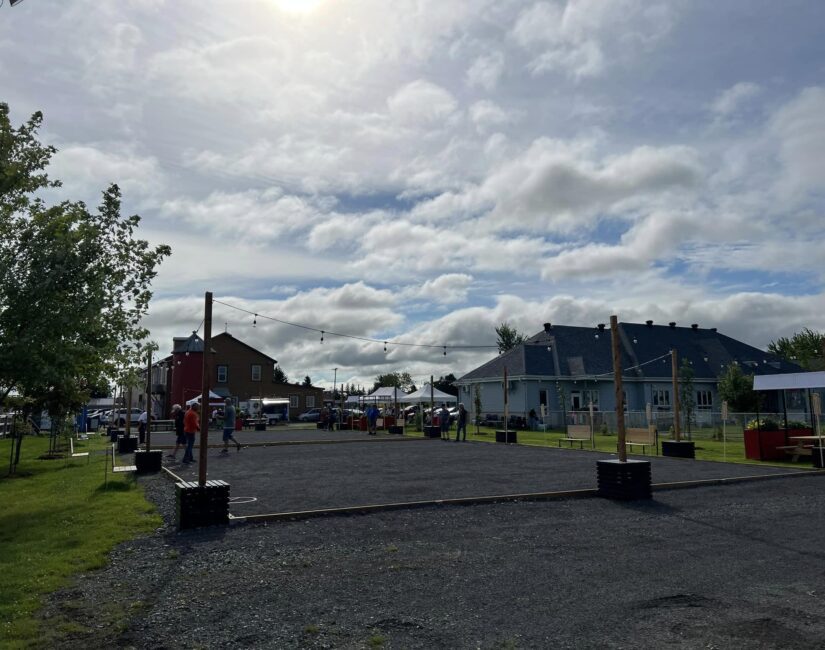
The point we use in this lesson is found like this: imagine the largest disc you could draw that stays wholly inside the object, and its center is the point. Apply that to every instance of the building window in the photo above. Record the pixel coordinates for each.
(294, 401)
(223, 374)
(704, 400)
(661, 398)
(310, 401)
(256, 372)
(542, 397)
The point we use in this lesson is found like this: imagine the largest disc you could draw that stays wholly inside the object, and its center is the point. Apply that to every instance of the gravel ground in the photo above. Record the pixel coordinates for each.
(167, 438)
(306, 477)
(735, 566)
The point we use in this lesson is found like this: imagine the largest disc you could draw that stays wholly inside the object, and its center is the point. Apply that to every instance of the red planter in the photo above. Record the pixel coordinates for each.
(762, 445)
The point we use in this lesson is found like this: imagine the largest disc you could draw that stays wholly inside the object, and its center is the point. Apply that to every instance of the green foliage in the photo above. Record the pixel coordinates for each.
(74, 283)
(279, 376)
(736, 388)
(687, 397)
(445, 384)
(307, 381)
(806, 348)
(766, 424)
(508, 337)
(401, 380)
(477, 402)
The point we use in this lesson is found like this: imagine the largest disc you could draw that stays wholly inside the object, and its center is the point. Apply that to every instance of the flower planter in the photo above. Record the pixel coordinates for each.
(762, 445)
(680, 449)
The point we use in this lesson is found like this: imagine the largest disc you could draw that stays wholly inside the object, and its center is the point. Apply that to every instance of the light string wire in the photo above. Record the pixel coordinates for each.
(366, 339)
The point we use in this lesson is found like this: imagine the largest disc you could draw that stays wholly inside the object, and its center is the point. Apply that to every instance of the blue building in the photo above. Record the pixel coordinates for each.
(563, 369)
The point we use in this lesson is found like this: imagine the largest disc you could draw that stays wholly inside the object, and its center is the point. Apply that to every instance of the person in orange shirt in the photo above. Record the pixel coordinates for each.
(191, 426)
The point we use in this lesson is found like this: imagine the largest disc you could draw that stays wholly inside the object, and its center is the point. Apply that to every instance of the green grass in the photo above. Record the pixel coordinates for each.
(57, 520)
(706, 447)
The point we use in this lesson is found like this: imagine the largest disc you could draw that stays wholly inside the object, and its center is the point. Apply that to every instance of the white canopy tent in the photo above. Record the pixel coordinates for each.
(789, 381)
(426, 394)
(385, 394)
(214, 399)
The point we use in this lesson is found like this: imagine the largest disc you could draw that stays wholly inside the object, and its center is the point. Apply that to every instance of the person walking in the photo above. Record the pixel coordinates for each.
(229, 427)
(180, 437)
(372, 420)
(444, 422)
(191, 426)
(461, 423)
(142, 418)
(333, 416)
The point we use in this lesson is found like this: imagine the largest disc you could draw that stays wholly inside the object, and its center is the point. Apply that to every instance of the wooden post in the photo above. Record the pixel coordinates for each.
(149, 401)
(432, 403)
(674, 363)
(617, 381)
(207, 345)
(128, 431)
(506, 407)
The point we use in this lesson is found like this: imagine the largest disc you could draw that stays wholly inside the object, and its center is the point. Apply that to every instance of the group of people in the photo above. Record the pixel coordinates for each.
(460, 420)
(188, 425)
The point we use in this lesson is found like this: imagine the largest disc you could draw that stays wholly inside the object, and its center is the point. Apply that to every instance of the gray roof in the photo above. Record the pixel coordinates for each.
(565, 351)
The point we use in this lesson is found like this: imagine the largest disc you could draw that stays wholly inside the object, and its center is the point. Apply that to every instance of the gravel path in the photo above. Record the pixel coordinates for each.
(712, 567)
(293, 434)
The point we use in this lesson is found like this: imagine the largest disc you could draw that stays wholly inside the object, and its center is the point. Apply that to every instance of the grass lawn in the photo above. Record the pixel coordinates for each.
(57, 520)
(706, 447)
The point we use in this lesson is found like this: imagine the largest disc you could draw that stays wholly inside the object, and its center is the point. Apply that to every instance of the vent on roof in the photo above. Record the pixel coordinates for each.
(649, 323)
(712, 329)
(694, 326)
(672, 324)
(547, 327)
(601, 327)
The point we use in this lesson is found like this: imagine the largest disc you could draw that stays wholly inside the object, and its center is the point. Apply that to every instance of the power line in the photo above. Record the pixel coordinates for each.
(323, 333)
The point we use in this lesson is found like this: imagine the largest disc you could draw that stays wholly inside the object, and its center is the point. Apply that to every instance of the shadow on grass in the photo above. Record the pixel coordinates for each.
(115, 486)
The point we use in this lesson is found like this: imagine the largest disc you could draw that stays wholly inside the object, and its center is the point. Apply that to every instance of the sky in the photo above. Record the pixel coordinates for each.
(423, 170)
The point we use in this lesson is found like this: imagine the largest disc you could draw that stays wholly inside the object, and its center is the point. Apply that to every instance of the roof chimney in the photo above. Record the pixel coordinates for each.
(547, 327)
(601, 327)
(672, 325)
(649, 323)
(694, 326)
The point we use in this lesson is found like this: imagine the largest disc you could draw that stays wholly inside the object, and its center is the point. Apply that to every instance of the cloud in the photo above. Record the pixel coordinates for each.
(446, 289)
(732, 98)
(799, 128)
(421, 103)
(486, 70)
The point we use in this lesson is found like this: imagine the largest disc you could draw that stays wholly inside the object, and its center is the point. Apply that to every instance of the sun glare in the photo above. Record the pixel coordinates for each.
(298, 6)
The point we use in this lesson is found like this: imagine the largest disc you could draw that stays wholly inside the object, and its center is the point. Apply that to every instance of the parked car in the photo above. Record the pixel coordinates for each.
(312, 415)
(120, 418)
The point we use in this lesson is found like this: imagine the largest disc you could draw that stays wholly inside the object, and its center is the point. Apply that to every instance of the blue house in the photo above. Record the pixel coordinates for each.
(564, 369)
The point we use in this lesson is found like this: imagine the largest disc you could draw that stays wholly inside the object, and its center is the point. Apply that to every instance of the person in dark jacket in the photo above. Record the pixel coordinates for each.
(461, 423)
(180, 438)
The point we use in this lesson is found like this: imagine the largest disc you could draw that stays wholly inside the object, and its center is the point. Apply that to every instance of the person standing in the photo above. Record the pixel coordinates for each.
(180, 436)
(461, 423)
(372, 420)
(444, 422)
(142, 427)
(191, 426)
(333, 416)
(229, 427)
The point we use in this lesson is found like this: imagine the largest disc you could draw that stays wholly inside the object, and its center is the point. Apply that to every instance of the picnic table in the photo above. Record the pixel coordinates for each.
(803, 446)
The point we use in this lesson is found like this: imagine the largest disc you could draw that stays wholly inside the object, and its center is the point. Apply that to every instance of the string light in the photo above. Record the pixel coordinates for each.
(255, 320)
(445, 350)
(322, 337)
(385, 346)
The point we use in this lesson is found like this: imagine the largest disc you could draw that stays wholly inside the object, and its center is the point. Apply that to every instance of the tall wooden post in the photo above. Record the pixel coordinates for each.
(506, 407)
(432, 403)
(128, 432)
(149, 401)
(674, 362)
(207, 346)
(617, 382)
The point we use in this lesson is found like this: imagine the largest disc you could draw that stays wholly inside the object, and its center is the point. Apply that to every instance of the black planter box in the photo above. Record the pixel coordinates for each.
(127, 445)
(506, 436)
(432, 432)
(199, 506)
(395, 429)
(681, 449)
(148, 462)
(113, 434)
(623, 481)
(320, 425)
(817, 456)
(260, 426)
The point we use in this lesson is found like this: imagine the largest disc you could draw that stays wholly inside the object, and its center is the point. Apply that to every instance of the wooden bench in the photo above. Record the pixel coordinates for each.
(642, 437)
(121, 468)
(577, 433)
(259, 424)
(795, 451)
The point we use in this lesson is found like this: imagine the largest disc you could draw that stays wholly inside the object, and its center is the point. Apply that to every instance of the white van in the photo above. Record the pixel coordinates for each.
(274, 409)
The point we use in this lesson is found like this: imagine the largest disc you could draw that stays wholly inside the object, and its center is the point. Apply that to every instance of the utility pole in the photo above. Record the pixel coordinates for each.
(617, 382)
(206, 376)
(674, 362)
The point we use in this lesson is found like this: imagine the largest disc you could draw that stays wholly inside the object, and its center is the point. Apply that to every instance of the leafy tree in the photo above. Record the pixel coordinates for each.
(736, 388)
(508, 337)
(279, 376)
(307, 381)
(401, 380)
(445, 384)
(687, 397)
(477, 404)
(806, 348)
(74, 284)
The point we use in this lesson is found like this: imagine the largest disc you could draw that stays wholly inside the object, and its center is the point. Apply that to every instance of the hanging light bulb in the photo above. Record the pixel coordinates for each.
(635, 340)
(445, 350)
(385, 346)
(255, 320)
(322, 337)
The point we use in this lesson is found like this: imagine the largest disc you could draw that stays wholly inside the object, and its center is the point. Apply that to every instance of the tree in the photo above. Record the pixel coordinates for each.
(401, 380)
(279, 376)
(445, 384)
(307, 382)
(508, 337)
(687, 398)
(806, 348)
(477, 404)
(74, 284)
(736, 388)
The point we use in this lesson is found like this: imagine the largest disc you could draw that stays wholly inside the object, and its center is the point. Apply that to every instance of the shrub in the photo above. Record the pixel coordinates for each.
(767, 424)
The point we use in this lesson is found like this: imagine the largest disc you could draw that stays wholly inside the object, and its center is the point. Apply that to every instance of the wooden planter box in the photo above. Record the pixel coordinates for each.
(624, 481)
(507, 437)
(762, 445)
(148, 462)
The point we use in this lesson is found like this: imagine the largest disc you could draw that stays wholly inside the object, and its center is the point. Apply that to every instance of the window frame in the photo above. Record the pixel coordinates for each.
(259, 368)
(225, 369)
(309, 401)
(294, 401)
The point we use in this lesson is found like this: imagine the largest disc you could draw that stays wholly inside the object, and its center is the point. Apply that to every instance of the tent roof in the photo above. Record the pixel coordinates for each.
(423, 395)
(386, 392)
(789, 381)
(214, 398)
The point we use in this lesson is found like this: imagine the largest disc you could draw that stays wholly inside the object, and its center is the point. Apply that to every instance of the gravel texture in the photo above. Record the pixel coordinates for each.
(277, 434)
(734, 566)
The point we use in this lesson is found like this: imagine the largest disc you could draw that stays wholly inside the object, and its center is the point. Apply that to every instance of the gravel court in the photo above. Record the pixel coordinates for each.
(248, 436)
(308, 477)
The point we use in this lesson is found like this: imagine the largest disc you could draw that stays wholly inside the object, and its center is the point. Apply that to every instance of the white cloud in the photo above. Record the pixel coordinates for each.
(799, 127)
(446, 289)
(732, 98)
(486, 70)
(421, 103)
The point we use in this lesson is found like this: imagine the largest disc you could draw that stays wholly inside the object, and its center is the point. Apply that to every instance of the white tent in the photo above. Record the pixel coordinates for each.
(214, 399)
(424, 394)
(386, 394)
(789, 381)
